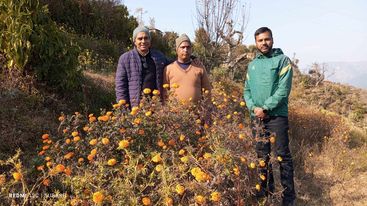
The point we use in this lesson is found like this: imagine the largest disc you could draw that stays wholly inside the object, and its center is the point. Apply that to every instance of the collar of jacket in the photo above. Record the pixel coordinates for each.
(273, 53)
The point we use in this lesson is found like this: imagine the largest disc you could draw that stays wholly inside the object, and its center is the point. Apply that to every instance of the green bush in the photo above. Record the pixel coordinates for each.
(32, 43)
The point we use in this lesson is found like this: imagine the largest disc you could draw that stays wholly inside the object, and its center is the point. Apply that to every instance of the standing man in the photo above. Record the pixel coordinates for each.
(267, 87)
(191, 77)
(139, 68)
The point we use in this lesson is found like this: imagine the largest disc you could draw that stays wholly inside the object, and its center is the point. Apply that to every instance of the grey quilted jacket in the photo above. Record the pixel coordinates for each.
(128, 79)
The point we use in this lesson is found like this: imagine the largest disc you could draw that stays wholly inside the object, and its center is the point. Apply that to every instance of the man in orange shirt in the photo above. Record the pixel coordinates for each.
(191, 77)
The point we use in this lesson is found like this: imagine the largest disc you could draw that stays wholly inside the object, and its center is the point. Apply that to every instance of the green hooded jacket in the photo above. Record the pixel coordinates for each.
(268, 83)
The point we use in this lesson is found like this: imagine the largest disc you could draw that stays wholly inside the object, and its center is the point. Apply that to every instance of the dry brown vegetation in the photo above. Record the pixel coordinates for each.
(328, 143)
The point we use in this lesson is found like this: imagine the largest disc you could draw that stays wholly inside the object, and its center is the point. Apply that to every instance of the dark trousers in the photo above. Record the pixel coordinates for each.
(279, 127)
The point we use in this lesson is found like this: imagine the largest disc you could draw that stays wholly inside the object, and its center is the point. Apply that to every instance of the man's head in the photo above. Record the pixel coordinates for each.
(141, 38)
(264, 40)
(183, 48)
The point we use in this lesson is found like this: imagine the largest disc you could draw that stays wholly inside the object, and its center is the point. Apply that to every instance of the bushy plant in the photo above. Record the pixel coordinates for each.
(33, 44)
(171, 154)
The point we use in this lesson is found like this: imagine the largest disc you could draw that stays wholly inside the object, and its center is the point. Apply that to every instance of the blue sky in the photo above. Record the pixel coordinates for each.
(316, 30)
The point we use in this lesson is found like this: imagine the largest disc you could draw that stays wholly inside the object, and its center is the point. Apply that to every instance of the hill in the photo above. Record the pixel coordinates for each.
(352, 73)
(327, 128)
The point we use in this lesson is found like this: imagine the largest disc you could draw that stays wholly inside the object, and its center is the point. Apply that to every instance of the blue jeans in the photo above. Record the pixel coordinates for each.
(279, 126)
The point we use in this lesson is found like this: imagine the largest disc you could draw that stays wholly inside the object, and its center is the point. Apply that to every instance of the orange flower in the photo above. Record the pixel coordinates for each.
(122, 102)
(175, 85)
(181, 152)
(180, 189)
(77, 138)
(146, 201)
(80, 160)
(141, 132)
(207, 155)
(98, 197)
(172, 142)
(236, 171)
(93, 152)
(168, 201)
(160, 143)
(105, 141)
(69, 155)
(157, 158)
(40, 168)
(215, 196)
(156, 92)
(137, 121)
(147, 91)
(148, 113)
(17, 176)
(103, 118)
(45, 136)
(92, 119)
(272, 139)
(123, 144)
(49, 164)
(46, 182)
(262, 163)
(280, 158)
(90, 157)
(67, 171)
(45, 147)
(67, 141)
(184, 159)
(200, 199)
(111, 162)
(122, 130)
(159, 168)
(257, 187)
(93, 142)
(60, 168)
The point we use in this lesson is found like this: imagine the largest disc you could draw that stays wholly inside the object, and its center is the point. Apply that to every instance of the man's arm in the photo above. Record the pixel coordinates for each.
(284, 86)
(205, 83)
(166, 80)
(247, 94)
(121, 82)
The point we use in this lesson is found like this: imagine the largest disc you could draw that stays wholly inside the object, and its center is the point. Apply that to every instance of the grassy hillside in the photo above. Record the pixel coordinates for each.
(327, 129)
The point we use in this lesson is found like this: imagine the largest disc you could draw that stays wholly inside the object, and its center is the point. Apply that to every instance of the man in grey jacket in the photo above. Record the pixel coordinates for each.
(139, 68)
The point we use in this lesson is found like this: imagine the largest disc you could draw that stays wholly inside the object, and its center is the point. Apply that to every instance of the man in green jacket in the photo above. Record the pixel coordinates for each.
(267, 87)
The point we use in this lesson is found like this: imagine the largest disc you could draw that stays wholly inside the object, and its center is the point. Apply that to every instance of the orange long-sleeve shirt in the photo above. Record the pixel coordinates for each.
(191, 81)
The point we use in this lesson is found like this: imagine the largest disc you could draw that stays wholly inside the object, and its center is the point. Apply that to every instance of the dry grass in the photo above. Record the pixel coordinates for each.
(328, 170)
(328, 146)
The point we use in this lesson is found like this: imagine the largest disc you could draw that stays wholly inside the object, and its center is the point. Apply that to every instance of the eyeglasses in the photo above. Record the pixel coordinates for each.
(144, 62)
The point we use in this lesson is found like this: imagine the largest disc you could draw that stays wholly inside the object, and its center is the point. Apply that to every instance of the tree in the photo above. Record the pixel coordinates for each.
(220, 34)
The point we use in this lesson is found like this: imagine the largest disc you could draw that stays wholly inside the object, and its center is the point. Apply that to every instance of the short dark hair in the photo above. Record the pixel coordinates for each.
(263, 30)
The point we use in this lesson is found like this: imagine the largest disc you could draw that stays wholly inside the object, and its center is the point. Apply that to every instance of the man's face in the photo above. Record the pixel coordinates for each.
(184, 52)
(142, 42)
(264, 42)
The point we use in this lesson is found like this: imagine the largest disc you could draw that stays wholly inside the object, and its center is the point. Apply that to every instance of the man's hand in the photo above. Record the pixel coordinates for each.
(259, 113)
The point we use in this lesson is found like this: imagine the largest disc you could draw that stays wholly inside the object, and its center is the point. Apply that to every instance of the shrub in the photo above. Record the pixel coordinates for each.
(32, 43)
(151, 154)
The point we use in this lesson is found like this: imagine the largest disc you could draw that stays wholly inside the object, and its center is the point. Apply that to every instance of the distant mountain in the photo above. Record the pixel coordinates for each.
(352, 73)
